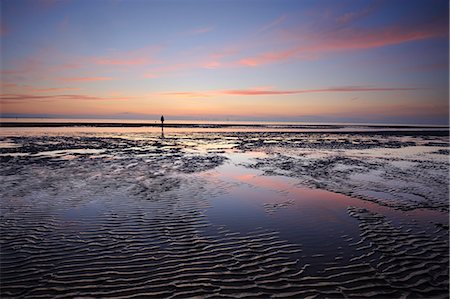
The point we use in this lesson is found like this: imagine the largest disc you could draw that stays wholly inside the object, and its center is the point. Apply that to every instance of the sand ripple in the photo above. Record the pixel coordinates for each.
(130, 223)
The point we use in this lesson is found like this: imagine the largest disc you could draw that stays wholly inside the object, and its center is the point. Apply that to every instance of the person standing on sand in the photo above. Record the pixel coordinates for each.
(162, 126)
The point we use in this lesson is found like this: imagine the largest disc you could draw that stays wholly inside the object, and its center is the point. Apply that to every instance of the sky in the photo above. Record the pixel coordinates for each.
(278, 60)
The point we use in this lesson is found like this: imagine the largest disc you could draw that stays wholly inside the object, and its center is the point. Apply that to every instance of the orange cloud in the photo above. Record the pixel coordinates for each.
(86, 79)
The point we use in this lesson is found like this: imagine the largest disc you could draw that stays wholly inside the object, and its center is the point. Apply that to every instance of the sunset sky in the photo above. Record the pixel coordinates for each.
(331, 61)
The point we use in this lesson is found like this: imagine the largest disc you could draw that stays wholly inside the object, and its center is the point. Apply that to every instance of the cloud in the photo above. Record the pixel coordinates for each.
(354, 39)
(263, 91)
(137, 57)
(212, 60)
(300, 44)
(86, 79)
(166, 69)
(33, 89)
(54, 89)
(274, 23)
(3, 30)
(257, 92)
(212, 64)
(150, 75)
(52, 64)
(25, 66)
(218, 59)
(352, 16)
(438, 66)
(201, 30)
(63, 26)
(48, 3)
(268, 57)
(8, 85)
(13, 98)
(111, 61)
(187, 94)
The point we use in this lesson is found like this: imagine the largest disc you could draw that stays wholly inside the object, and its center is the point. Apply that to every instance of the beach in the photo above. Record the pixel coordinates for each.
(224, 211)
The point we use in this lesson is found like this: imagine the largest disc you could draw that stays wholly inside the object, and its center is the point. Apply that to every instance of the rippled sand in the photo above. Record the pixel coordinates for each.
(228, 215)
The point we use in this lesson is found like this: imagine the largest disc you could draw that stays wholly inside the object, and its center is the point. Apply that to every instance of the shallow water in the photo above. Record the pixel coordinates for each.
(316, 219)
(198, 215)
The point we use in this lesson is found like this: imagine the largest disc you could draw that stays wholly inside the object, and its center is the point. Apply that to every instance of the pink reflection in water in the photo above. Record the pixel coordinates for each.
(251, 188)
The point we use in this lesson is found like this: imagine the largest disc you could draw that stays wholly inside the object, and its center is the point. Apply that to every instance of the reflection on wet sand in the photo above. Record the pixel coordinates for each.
(212, 215)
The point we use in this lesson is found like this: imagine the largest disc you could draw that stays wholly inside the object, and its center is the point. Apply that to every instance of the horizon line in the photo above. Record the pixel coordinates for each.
(147, 118)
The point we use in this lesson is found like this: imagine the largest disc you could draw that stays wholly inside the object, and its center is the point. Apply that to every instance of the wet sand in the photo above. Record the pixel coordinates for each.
(224, 214)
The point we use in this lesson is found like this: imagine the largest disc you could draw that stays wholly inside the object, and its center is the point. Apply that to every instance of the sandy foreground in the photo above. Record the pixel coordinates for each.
(224, 214)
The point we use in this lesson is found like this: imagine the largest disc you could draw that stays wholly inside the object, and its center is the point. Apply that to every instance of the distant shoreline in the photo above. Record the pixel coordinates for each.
(214, 125)
(268, 128)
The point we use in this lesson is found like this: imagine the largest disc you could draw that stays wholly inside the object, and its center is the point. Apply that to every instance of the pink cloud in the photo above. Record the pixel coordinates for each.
(352, 39)
(25, 66)
(307, 45)
(428, 67)
(64, 24)
(218, 59)
(52, 64)
(201, 30)
(33, 89)
(188, 94)
(212, 65)
(143, 56)
(47, 3)
(13, 98)
(3, 30)
(86, 79)
(44, 64)
(173, 68)
(213, 60)
(150, 76)
(256, 92)
(8, 85)
(54, 89)
(267, 57)
(352, 16)
(136, 61)
(274, 23)
(264, 91)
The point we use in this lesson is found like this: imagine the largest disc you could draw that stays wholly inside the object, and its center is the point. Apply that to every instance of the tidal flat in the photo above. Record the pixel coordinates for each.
(131, 214)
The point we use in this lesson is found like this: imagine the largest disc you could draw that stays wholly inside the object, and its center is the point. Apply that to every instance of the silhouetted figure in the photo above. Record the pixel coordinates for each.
(162, 126)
